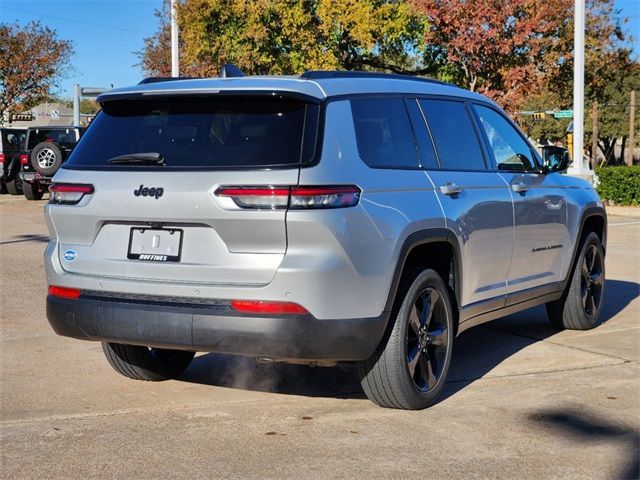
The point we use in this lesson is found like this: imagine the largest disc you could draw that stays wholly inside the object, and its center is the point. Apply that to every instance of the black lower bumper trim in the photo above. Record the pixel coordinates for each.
(294, 337)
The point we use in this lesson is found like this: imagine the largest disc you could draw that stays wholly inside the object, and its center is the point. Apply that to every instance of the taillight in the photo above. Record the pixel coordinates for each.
(24, 159)
(256, 197)
(68, 193)
(1, 157)
(292, 197)
(64, 292)
(258, 306)
(324, 197)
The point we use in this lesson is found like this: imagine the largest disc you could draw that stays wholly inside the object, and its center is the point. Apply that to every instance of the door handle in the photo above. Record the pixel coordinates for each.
(519, 187)
(450, 189)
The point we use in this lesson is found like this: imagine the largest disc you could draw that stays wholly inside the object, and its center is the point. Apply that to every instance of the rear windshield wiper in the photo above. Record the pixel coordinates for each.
(148, 158)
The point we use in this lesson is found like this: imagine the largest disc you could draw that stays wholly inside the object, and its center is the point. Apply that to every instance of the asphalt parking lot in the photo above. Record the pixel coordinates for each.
(523, 401)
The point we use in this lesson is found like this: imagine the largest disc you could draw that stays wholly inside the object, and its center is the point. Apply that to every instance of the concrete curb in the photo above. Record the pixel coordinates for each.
(623, 211)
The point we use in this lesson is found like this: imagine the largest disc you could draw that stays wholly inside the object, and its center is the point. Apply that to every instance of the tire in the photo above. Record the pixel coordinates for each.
(143, 363)
(46, 158)
(32, 191)
(581, 304)
(411, 346)
(3, 188)
(14, 187)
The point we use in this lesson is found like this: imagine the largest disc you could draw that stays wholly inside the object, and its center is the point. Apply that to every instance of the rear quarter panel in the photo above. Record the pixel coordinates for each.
(360, 246)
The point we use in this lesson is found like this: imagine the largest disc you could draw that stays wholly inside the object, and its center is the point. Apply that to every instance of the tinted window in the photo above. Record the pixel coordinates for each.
(453, 134)
(511, 151)
(12, 139)
(192, 132)
(383, 133)
(425, 145)
(63, 136)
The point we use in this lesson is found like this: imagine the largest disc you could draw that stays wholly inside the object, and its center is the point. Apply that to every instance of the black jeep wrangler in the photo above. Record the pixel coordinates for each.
(46, 149)
(11, 144)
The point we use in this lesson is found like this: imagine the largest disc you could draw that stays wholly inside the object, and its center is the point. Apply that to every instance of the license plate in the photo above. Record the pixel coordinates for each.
(155, 245)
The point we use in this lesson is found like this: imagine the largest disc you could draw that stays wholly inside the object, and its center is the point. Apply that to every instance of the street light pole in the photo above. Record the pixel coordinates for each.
(578, 167)
(76, 105)
(175, 62)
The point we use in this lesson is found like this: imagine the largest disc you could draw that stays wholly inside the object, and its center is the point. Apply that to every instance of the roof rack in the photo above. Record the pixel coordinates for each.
(324, 74)
(163, 79)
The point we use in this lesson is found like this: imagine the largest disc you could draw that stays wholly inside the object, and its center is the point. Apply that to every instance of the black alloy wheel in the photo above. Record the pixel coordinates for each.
(591, 281)
(427, 339)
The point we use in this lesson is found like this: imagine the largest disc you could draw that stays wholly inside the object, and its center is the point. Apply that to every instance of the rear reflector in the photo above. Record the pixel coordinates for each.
(64, 292)
(257, 306)
(279, 197)
(68, 193)
(24, 159)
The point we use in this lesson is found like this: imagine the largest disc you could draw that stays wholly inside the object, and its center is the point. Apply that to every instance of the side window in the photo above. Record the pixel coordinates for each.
(423, 137)
(383, 133)
(453, 134)
(511, 151)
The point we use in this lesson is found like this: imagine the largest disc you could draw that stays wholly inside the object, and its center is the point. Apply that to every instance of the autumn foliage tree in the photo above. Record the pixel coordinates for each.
(32, 59)
(288, 36)
(499, 48)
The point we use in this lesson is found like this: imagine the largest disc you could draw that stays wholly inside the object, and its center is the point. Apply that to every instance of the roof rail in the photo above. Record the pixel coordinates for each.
(324, 74)
(162, 79)
(228, 70)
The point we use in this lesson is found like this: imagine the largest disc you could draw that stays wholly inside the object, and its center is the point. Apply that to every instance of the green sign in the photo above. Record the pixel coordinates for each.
(563, 114)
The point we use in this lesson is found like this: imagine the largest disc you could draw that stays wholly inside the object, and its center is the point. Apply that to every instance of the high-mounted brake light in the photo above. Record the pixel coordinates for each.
(279, 197)
(258, 306)
(68, 193)
(64, 292)
(24, 159)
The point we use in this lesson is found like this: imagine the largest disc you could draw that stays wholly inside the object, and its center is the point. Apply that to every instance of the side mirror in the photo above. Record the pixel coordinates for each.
(556, 162)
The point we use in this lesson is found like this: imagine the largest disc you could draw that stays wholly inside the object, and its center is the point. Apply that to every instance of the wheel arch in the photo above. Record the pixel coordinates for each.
(592, 219)
(416, 247)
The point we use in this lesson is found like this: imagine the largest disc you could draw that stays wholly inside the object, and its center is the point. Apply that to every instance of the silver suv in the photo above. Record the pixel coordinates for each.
(331, 217)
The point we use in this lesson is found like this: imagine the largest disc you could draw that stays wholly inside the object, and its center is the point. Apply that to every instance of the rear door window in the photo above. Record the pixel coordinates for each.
(206, 132)
(453, 134)
(428, 157)
(383, 133)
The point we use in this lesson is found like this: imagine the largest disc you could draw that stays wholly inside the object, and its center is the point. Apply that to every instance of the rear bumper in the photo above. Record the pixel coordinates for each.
(214, 328)
(31, 177)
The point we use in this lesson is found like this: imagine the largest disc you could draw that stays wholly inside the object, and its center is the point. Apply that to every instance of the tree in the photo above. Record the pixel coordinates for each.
(613, 113)
(496, 47)
(32, 59)
(288, 36)
(548, 128)
(610, 73)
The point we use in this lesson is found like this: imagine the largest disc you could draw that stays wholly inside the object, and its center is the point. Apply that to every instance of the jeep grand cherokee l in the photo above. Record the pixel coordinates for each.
(332, 217)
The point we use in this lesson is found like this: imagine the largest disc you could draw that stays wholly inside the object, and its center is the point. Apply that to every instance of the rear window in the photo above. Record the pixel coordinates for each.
(197, 132)
(63, 136)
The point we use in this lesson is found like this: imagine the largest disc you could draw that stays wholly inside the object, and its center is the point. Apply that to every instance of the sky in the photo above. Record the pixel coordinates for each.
(106, 33)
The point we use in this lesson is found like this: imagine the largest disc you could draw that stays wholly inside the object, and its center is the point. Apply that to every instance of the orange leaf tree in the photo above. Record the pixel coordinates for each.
(497, 47)
(32, 58)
